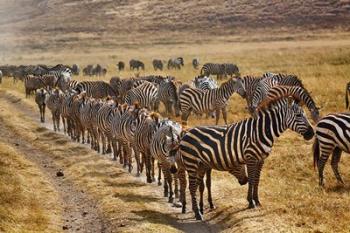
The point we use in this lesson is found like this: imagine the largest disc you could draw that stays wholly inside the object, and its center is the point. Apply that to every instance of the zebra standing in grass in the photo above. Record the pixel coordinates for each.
(168, 95)
(175, 63)
(213, 69)
(246, 142)
(41, 96)
(54, 104)
(195, 63)
(347, 91)
(32, 83)
(136, 64)
(332, 137)
(121, 66)
(143, 135)
(66, 113)
(268, 81)
(157, 64)
(95, 89)
(75, 69)
(231, 69)
(146, 95)
(165, 139)
(199, 101)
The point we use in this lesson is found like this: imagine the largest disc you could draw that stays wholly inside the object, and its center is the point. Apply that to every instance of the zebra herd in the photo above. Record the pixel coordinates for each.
(122, 117)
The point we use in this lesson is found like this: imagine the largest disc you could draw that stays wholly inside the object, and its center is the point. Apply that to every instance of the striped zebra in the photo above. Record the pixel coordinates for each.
(299, 93)
(168, 95)
(250, 83)
(246, 142)
(136, 64)
(205, 83)
(165, 139)
(146, 95)
(66, 112)
(124, 123)
(268, 81)
(41, 96)
(195, 63)
(143, 135)
(32, 83)
(157, 64)
(54, 104)
(79, 129)
(121, 86)
(332, 137)
(175, 63)
(95, 89)
(213, 69)
(347, 92)
(199, 101)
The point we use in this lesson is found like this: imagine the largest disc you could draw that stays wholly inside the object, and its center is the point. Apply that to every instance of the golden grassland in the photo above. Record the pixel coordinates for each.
(28, 202)
(289, 191)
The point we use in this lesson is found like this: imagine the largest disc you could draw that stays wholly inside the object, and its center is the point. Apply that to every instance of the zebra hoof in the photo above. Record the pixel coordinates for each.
(183, 209)
(251, 205)
(199, 216)
(171, 200)
(149, 180)
(159, 183)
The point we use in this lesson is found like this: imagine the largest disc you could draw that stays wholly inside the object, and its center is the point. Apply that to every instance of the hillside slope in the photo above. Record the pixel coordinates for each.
(41, 24)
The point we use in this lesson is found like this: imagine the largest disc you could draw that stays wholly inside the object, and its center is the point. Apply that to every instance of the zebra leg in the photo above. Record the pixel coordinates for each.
(251, 167)
(217, 116)
(129, 152)
(192, 179)
(176, 185)
(165, 185)
(169, 181)
(334, 162)
(208, 184)
(181, 173)
(64, 125)
(115, 150)
(149, 167)
(321, 164)
(200, 182)
(256, 183)
(224, 114)
(152, 166)
(53, 121)
(44, 113)
(109, 148)
(159, 174)
(138, 164)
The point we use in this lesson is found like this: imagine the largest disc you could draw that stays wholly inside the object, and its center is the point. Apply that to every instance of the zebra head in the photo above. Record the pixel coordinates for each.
(237, 85)
(297, 121)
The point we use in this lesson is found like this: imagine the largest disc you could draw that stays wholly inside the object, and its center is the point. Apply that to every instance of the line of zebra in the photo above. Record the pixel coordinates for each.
(220, 70)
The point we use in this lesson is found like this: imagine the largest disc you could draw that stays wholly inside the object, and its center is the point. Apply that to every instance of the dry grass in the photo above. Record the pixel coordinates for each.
(27, 199)
(289, 188)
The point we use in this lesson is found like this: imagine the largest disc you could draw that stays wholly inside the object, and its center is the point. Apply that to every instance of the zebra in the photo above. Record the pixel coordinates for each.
(168, 95)
(250, 83)
(79, 129)
(121, 66)
(146, 95)
(121, 86)
(347, 91)
(136, 64)
(195, 63)
(205, 83)
(164, 140)
(66, 112)
(41, 96)
(246, 142)
(213, 69)
(297, 92)
(75, 69)
(66, 85)
(231, 69)
(87, 71)
(157, 64)
(123, 126)
(54, 104)
(332, 137)
(59, 71)
(199, 101)
(96, 89)
(143, 135)
(268, 81)
(32, 83)
(175, 63)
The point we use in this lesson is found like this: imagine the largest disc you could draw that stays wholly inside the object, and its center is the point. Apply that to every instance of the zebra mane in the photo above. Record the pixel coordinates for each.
(280, 92)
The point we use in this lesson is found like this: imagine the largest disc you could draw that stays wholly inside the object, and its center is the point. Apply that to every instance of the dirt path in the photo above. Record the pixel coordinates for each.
(80, 212)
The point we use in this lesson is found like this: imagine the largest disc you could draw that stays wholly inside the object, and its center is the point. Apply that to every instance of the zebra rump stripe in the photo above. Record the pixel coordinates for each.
(332, 137)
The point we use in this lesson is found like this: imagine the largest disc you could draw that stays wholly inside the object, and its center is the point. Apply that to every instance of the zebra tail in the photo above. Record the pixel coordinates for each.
(347, 96)
(316, 150)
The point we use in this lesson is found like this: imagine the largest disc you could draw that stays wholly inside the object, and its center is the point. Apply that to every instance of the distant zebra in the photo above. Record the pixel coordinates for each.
(347, 92)
(59, 72)
(121, 86)
(95, 89)
(199, 101)
(168, 95)
(136, 64)
(244, 142)
(157, 64)
(121, 66)
(87, 71)
(175, 63)
(332, 137)
(165, 139)
(75, 69)
(146, 95)
(41, 96)
(54, 104)
(231, 69)
(213, 69)
(32, 83)
(195, 63)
